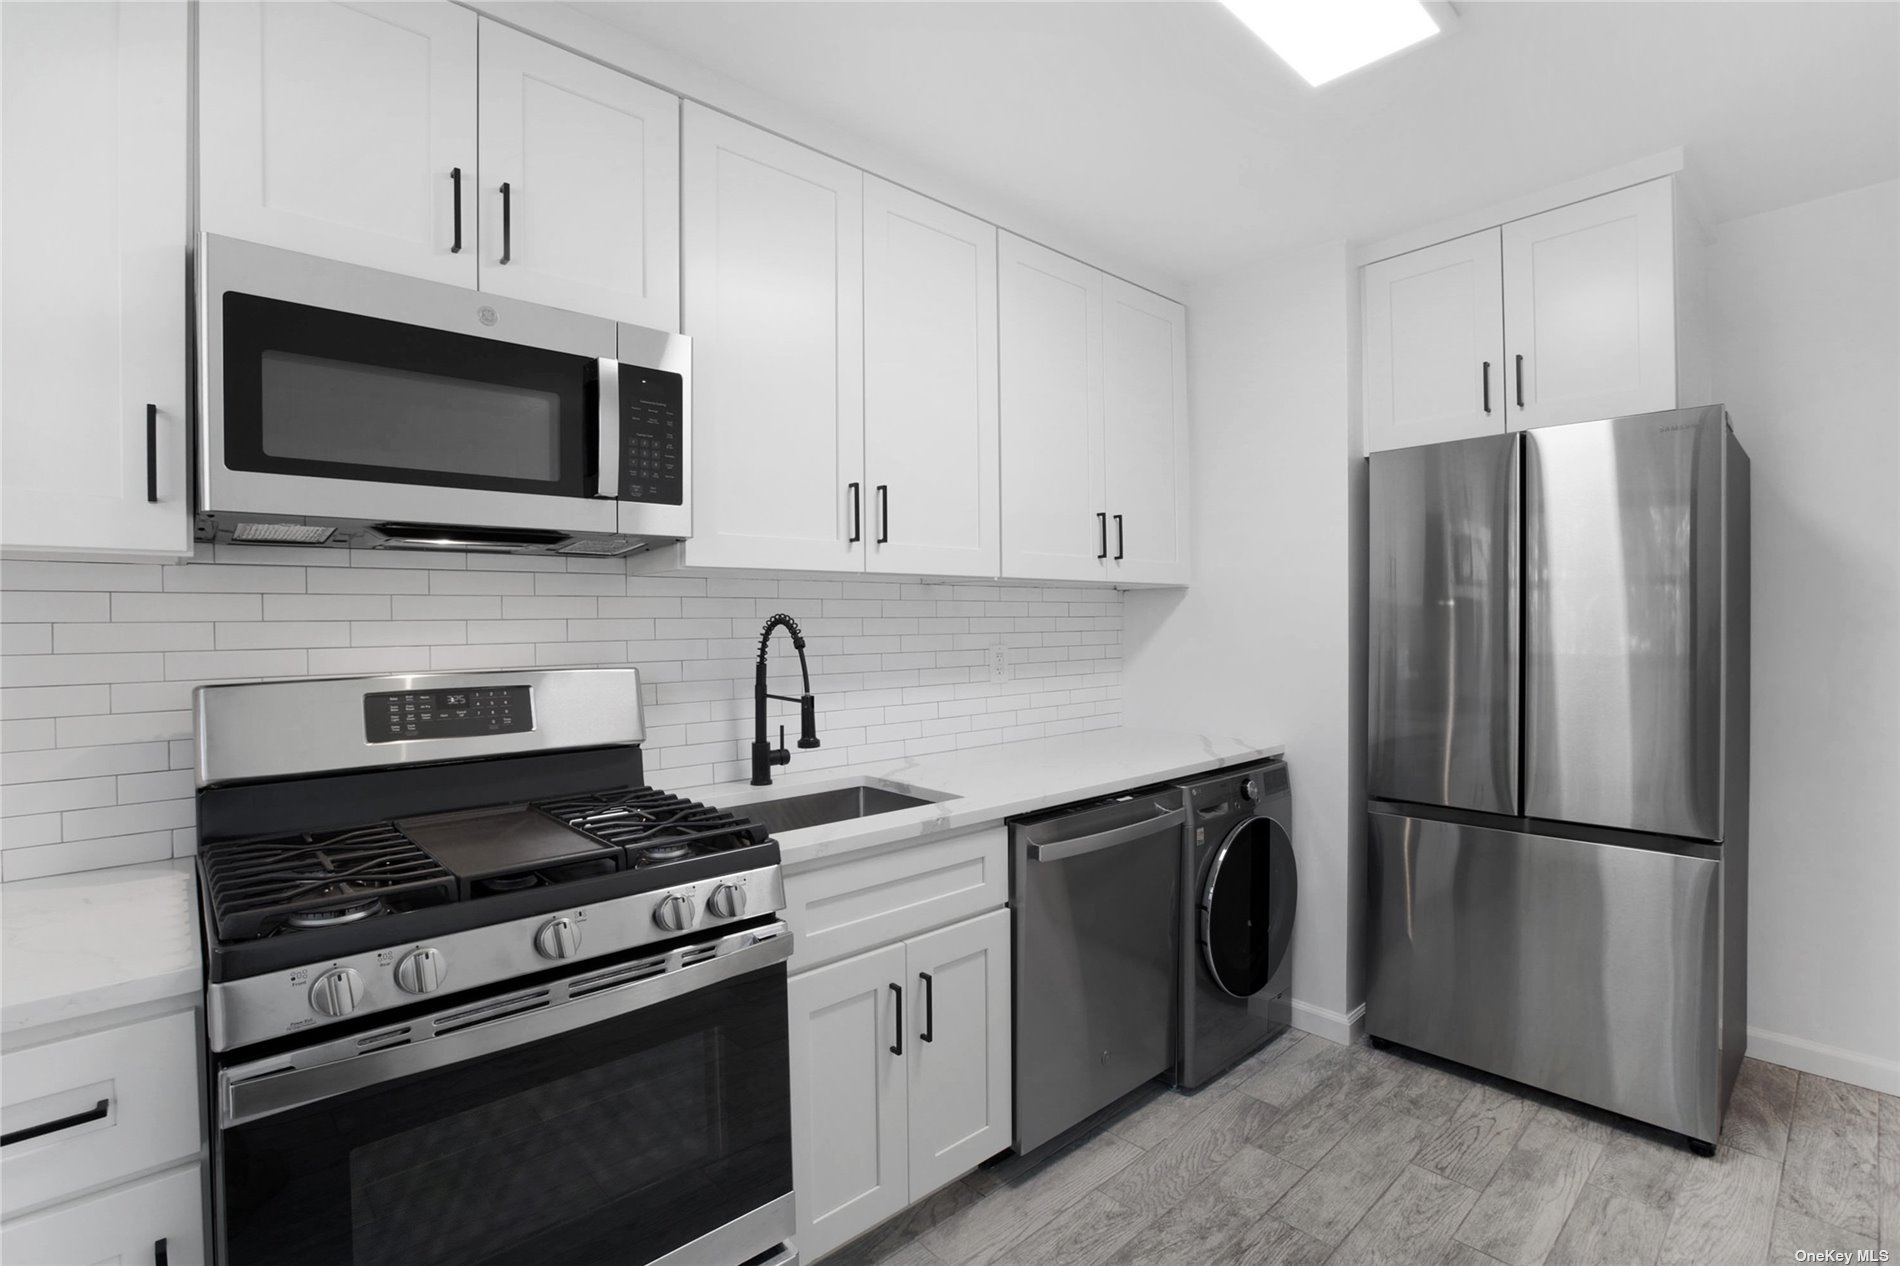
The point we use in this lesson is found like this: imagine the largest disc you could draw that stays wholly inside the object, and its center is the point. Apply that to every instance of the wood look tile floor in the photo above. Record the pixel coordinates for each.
(1312, 1152)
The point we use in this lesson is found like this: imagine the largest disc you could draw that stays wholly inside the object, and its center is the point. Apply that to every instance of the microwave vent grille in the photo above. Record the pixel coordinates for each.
(282, 533)
(606, 547)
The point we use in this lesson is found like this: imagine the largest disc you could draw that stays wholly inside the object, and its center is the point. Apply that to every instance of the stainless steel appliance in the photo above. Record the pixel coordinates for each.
(341, 405)
(1558, 759)
(1239, 892)
(1092, 895)
(477, 993)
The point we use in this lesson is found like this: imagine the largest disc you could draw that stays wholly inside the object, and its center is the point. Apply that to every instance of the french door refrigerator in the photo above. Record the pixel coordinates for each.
(1558, 759)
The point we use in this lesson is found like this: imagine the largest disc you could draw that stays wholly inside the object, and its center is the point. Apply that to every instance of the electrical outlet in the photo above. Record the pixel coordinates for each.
(999, 664)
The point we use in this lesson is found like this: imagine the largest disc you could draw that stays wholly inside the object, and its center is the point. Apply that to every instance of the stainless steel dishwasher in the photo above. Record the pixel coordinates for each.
(1093, 896)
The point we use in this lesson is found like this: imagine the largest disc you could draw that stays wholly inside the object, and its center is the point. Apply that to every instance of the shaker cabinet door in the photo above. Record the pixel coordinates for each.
(338, 130)
(1050, 334)
(157, 1221)
(590, 160)
(960, 1062)
(773, 297)
(93, 410)
(849, 1096)
(1145, 427)
(1590, 308)
(930, 431)
(1433, 344)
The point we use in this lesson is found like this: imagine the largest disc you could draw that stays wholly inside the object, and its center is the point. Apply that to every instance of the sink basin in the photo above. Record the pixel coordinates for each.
(817, 808)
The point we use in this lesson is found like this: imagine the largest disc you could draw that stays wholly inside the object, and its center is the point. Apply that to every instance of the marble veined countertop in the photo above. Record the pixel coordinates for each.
(81, 944)
(981, 786)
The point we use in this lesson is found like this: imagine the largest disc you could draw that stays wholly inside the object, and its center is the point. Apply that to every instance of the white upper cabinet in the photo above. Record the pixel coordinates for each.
(93, 410)
(1095, 428)
(930, 405)
(1145, 429)
(590, 161)
(1582, 312)
(1434, 344)
(339, 130)
(773, 295)
(1589, 313)
(1050, 333)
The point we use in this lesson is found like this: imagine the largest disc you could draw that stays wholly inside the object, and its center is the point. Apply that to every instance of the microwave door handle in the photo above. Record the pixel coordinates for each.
(608, 425)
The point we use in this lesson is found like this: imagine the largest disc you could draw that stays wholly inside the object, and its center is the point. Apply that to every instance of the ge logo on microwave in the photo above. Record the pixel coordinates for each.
(486, 315)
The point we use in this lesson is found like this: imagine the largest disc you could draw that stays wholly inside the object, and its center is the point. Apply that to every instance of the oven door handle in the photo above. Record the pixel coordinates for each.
(262, 1088)
(607, 423)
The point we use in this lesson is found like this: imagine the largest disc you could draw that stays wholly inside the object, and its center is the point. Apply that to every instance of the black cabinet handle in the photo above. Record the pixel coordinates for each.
(883, 514)
(507, 223)
(1102, 522)
(1487, 386)
(95, 1113)
(1121, 541)
(897, 1047)
(857, 514)
(161, 1253)
(455, 178)
(1520, 381)
(151, 452)
(930, 1007)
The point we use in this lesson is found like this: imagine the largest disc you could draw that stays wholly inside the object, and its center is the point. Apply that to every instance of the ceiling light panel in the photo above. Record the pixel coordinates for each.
(1324, 39)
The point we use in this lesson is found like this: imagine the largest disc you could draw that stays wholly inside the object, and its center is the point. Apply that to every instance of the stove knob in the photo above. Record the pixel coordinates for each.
(1250, 790)
(421, 971)
(674, 913)
(558, 938)
(727, 901)
(336, 992)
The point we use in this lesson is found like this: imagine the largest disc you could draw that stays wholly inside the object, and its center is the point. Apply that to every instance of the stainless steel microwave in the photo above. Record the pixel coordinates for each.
(341, 405)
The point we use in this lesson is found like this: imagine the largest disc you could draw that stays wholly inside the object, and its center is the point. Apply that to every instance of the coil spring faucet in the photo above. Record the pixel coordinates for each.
(764, 755)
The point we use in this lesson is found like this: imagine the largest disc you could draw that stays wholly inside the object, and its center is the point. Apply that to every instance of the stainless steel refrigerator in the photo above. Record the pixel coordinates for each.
(1558, 763)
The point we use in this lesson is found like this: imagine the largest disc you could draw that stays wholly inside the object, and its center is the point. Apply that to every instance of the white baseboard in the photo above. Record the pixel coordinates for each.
(1822, 1060)
(1330, 1025)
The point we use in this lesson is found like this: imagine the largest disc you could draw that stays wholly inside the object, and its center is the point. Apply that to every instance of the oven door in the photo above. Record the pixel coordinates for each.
(345, 393)
(637, 1112)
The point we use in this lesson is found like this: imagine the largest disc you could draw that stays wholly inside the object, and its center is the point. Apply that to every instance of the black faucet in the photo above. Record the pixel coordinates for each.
(764, 755)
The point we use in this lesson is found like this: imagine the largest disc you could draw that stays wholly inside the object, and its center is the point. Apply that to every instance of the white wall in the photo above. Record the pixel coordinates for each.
(98, 661)
(1806, 313)
(1262, 644)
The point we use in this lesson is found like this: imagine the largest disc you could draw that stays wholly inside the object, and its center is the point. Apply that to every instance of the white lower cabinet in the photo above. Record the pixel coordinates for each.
(900, 1065)
(157, 1221)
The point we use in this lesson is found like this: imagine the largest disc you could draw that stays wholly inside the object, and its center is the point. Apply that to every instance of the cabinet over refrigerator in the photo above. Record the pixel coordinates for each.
(1558, 759)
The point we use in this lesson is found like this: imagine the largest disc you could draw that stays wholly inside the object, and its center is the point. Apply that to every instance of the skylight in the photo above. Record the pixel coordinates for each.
(1324, 39)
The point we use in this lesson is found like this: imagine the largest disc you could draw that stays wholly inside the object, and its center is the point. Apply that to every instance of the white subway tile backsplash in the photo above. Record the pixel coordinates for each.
(99, 661)
(31, 607)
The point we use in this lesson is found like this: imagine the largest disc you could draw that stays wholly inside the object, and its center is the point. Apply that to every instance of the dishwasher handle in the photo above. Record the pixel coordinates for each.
(1062, 850)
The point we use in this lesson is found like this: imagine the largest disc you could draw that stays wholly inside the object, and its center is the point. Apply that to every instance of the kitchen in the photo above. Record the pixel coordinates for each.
(1066, 475)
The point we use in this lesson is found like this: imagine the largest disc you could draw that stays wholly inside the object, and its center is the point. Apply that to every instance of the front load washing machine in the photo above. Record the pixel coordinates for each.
(1239, 889)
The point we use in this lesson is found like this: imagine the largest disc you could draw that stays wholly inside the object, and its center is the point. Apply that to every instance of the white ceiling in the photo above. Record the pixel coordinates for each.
(1165, 131)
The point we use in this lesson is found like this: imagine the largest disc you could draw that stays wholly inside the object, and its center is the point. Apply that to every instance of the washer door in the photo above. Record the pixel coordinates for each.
(1247, 907)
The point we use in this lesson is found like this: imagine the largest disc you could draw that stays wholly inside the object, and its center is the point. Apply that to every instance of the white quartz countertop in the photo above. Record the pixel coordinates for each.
(82, 944)
(982, 786)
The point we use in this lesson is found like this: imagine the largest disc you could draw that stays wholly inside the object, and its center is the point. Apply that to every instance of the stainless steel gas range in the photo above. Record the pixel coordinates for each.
(478, 994)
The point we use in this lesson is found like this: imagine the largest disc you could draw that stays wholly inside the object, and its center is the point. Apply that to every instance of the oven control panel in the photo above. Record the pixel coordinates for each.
(461, 712)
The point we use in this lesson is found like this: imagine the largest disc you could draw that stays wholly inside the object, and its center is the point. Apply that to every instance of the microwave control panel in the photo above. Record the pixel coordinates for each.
(652, 446)
(409, 715)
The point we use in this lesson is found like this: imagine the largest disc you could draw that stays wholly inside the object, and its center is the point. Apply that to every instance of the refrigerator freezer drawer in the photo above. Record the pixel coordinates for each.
(1591, 970)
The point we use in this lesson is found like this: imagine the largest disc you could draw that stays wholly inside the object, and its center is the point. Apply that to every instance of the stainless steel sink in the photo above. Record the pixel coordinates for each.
(817, 808)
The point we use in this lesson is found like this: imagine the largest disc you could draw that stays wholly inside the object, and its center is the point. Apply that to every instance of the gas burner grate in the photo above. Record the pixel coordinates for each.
(261, 887)
(655, 827)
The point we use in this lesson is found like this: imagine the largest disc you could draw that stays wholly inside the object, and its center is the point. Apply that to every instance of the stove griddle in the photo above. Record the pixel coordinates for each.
(482, 846)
